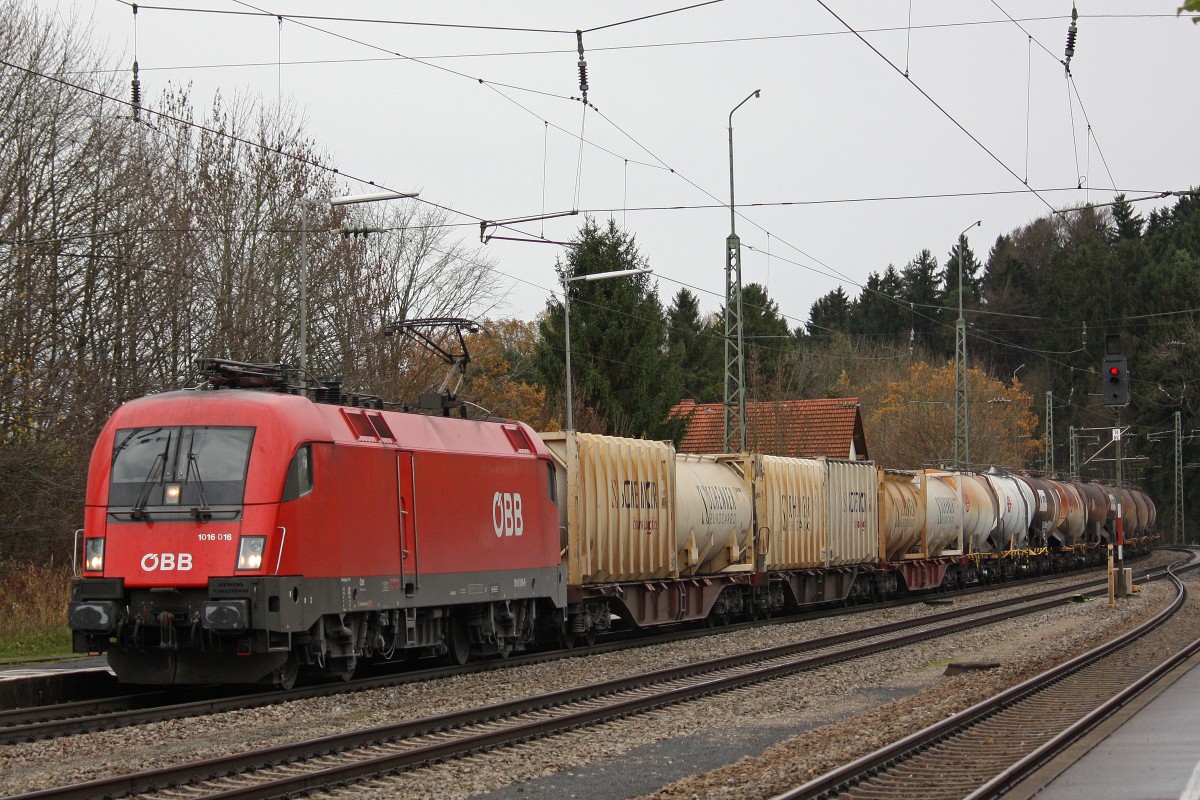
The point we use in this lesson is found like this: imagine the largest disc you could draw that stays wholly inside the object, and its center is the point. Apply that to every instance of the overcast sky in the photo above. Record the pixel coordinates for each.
(836, 131)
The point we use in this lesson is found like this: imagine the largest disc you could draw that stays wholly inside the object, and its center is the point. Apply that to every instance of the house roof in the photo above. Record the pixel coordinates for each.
(797, 428)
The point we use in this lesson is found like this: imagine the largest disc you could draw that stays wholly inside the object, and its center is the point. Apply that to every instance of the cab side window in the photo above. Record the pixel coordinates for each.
(299, 480)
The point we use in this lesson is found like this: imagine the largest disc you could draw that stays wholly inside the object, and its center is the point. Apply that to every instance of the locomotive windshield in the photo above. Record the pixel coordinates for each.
(189, 469)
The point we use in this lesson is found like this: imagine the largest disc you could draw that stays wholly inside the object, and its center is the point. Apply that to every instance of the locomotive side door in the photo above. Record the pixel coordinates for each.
(406, 492)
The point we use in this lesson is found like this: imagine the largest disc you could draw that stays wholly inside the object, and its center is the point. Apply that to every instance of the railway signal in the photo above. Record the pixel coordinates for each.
(1116, 373)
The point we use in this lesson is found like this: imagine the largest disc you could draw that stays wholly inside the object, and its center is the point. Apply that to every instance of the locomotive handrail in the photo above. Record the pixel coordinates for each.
(282, 541)
(75, 553)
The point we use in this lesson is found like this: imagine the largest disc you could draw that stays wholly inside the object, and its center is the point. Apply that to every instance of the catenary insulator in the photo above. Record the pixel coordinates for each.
(135, 93)
(1072, 32)
(583, 81)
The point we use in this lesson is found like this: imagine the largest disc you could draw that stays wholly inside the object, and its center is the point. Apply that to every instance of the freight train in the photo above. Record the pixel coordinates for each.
(246, 531)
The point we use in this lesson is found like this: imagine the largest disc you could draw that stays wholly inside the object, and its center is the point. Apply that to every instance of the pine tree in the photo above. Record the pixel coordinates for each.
(622, 368)
(696, 346)
(829, 314)
(922, 291)
(879, 312)
(768, 340)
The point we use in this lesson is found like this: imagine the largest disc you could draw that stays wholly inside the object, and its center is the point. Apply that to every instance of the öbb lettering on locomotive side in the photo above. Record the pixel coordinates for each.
(312, 546)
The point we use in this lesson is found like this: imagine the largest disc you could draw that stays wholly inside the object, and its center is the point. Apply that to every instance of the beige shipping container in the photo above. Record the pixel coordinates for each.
(714, 514)
(617, 506)
(818, 512)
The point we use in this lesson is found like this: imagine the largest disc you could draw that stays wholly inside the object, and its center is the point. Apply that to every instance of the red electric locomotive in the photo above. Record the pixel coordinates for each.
(239, 535)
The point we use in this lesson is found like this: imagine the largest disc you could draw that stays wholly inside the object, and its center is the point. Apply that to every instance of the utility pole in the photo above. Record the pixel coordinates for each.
(735, 360)
(1049, 432)
(1120, 493)
(1074, 452)
(1180, 519)
(962, 432)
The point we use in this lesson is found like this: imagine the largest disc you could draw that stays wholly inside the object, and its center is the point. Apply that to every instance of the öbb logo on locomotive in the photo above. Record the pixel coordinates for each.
(167, 562)
(508, 518)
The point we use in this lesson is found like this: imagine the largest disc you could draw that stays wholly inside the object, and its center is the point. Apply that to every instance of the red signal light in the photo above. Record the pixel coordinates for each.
(1114, 371)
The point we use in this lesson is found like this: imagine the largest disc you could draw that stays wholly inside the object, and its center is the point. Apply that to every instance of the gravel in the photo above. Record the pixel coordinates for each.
(753, 742)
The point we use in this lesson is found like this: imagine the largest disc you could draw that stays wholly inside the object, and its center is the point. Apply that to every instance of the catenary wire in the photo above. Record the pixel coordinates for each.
(937, 105)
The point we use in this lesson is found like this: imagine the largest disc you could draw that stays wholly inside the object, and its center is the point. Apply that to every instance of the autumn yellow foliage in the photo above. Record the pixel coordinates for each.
(913, 424)
(499, 378)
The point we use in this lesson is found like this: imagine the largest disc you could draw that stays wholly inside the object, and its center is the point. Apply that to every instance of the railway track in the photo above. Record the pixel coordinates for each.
(986, 750)
(141, 707)
(343, 759)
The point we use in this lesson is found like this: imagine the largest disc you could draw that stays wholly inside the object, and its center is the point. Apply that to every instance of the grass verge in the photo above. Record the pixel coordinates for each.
(33, 610)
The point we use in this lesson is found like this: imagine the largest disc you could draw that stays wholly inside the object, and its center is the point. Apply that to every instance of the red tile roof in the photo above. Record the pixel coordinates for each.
(798, 428)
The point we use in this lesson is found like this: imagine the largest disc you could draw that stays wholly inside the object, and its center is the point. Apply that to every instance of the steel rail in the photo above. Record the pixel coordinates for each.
(68, 719)
(843, 778)
(918, 630)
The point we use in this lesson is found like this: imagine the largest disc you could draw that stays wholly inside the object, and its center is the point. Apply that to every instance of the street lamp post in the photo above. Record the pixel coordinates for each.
(962, 431)
(735, 362)
(305, 202)
(596, 276)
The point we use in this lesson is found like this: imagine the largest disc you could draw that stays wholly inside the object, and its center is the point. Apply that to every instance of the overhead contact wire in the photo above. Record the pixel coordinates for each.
(937, 105)
(651, 16)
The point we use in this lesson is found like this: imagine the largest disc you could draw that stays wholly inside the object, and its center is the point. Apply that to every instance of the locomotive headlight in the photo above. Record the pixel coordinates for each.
(171, 494)
(93, 555)
(250, 552)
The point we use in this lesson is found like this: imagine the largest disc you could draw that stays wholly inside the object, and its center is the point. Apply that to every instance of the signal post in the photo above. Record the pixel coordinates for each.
(1116, 395)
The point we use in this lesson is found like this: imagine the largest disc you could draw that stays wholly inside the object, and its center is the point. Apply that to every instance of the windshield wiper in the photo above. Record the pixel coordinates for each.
(139, 505)
(202, 512)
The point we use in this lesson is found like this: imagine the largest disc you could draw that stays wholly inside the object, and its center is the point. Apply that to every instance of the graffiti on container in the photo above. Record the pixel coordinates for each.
(720, 505)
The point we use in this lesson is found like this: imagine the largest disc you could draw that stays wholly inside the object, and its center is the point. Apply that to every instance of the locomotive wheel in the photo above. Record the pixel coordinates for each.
(567, 639)
(458, 641)
(285, 676)
(342, 669)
